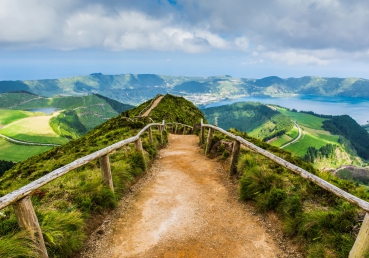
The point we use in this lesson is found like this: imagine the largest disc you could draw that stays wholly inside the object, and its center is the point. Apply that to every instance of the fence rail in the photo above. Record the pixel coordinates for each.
(361, 246)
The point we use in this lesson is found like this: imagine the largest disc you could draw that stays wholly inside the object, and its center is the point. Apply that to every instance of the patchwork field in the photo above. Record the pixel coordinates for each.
(9, 116)
(33, 129)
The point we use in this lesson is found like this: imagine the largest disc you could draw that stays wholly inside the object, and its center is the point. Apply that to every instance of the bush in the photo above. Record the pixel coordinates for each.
(254, 181)
(270, 200)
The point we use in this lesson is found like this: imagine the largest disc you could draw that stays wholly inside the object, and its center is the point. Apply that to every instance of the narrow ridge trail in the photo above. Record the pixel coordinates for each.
(156, 102)
(183, 208)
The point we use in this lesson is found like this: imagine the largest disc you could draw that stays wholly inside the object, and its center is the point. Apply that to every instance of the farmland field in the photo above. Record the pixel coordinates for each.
(17, 153)
(311, 138)
(8, 116)
(303, 119)
(33, 129)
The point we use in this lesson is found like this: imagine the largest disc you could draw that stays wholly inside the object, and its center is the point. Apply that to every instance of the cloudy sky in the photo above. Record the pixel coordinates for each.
(243, 38)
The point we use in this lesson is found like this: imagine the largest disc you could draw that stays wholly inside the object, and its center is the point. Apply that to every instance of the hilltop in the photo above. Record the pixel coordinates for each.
(136, 88)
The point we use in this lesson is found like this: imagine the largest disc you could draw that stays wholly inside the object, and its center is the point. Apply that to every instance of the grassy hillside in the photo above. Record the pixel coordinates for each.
(67, 206)
(172, 109)
(321, 223)
(8, 116)
(350, 130)
(258, 120)
(274, 124)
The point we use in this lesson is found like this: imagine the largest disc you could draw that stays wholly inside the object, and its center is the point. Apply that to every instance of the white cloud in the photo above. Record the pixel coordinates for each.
(242, 43)
(295, 58)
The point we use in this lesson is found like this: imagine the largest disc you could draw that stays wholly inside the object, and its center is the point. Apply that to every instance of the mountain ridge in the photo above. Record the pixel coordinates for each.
(137, 88)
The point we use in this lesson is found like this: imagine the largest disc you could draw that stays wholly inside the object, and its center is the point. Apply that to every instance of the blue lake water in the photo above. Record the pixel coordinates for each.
(47, 111)
(358, 109)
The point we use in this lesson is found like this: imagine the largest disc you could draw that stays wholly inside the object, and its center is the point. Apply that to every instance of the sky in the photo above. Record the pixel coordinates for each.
(42, 39)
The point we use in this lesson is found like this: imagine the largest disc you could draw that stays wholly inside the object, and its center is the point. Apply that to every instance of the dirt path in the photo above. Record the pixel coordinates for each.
(156, 102)
(183, 209)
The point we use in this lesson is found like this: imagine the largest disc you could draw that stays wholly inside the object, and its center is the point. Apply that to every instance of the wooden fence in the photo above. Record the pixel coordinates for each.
(361, 245)
(20, 198)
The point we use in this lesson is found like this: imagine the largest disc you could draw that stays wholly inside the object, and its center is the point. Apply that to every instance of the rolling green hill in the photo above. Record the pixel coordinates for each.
(74, 118)
(326, 148)
(137, 88)
(256, 119)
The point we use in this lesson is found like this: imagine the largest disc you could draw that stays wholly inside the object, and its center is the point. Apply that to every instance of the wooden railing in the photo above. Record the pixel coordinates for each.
(361, 246)
(176, 125)
(20, 198)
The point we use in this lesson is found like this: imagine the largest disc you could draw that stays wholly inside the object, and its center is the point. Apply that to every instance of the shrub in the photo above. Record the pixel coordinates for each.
(254, 181)
(270, 200)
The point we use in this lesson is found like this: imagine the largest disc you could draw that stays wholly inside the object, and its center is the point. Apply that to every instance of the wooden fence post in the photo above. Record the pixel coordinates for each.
(184, 130)
(175, 130)
(138, 144)
(202, 136)
(106, 171)
(234, 158)
(27, 220)
(150, 134)
(361, 245)
(208, 143)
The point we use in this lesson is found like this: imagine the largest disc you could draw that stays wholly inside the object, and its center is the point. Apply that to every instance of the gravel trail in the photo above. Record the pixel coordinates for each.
(184, 208)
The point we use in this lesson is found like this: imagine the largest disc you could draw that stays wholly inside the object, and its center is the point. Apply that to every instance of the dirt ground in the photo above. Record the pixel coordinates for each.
(186, 206)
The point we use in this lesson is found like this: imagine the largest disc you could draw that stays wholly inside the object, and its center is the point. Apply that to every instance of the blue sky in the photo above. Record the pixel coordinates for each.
(42, 39)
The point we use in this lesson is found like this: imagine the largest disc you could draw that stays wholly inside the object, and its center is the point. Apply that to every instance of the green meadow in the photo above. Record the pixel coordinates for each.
(303, 119)
(9, 116)
(17, 153)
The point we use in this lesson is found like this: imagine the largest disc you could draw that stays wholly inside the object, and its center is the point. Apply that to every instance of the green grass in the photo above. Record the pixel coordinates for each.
(311, 138)
(303, 119)
(17, 153)
(23, 131)
(8, 116)
(322, 224)
(281, 140)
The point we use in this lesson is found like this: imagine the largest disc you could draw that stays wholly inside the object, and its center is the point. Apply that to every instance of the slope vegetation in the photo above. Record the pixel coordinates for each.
(258, 120)
(68, 207)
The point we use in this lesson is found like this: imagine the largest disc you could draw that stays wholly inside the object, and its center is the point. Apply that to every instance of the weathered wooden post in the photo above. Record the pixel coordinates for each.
(138, 144)
(234, 158)
(27, 220)
(106, 171)
(184, 130)
(202, 137)
(161, 134)
(175, 130)
(208, 143)
(361, 245)
(150, 134)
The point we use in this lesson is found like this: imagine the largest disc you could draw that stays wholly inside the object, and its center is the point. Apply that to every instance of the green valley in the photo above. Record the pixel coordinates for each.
(72, 117)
